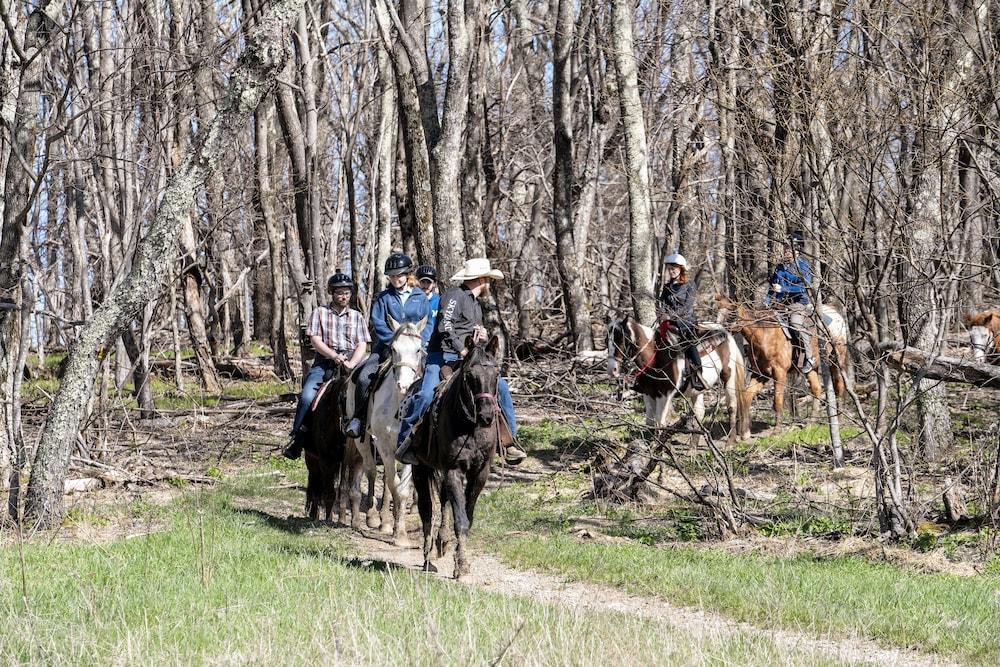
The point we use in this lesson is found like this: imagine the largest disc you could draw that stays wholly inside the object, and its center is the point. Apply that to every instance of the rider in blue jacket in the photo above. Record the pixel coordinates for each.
(399, 302)
(790, 285)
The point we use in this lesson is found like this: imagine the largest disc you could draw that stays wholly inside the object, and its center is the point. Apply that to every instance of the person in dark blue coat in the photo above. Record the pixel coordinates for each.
(789, 290)
(676, 305)
(400, 302)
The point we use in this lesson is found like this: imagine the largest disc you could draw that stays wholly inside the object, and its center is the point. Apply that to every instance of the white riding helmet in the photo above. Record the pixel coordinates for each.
(677, 259)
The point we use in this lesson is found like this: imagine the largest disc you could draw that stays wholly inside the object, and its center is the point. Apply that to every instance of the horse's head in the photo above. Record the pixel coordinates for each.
(726, 308)
(980, 339)
(407, 348)
(984, 333)
(620, 342)
(480, 375)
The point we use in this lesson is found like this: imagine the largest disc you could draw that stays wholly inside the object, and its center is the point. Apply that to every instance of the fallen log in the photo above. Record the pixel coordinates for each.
(936, 367)
(245, 369)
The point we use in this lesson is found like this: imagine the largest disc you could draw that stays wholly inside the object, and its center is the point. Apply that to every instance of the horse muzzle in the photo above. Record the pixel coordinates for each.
(486, 409)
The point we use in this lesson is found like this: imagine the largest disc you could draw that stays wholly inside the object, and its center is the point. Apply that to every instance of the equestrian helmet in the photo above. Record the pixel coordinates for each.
(339, 280)
(426, 271)
(796, 239)
(677, 259)
(398, 264)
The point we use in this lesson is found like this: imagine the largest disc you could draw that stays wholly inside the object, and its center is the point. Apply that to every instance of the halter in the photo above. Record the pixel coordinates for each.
(416, 368)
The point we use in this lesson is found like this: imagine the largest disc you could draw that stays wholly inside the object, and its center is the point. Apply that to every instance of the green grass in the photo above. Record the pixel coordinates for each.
(951, 615)
(212, 581)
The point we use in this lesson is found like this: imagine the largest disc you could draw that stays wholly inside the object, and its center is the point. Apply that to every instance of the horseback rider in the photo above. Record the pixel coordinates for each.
(461, 316)
(789, 289)
(676, 305)
(339, 336)
(398, 302)
(427, 277)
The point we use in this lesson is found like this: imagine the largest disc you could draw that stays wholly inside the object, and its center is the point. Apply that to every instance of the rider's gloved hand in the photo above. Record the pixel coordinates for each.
(776, 288)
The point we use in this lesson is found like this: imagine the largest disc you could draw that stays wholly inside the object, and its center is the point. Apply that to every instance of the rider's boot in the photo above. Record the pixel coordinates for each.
(293, 449)
(513, 454)
(694, 368)
(404, 455)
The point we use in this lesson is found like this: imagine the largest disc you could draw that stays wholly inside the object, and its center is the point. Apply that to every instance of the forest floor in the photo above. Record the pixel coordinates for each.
(203, 489)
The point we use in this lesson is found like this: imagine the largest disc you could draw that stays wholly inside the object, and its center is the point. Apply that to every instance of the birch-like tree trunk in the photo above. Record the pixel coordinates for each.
(253, 78)
(640, 262)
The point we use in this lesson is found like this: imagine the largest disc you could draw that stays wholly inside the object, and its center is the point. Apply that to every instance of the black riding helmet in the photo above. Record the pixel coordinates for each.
(796, 239)
(398, 264)
(426, 271)
(339, 280)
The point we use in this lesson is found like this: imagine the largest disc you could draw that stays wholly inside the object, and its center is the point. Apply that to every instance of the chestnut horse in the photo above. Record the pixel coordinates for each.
(984, 334)
(660, 372)
(770, 351)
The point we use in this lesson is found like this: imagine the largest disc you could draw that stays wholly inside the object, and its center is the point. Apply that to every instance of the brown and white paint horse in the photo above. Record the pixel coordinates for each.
(770, 351)
(660, 372)
(984, 335)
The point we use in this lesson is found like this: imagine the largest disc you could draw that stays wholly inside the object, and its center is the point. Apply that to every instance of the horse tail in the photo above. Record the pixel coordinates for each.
(742, 390)
(840, 369)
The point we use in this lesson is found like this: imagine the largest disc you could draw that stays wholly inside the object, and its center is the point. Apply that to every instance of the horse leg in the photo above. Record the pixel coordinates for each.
(816, 389)
(312, 490)
(436, 489)
(731, 406)
(425, 493)
(456, 492)
(447, 528)
(780, 380)
(399, 537)
(651, 404)
(697, 401)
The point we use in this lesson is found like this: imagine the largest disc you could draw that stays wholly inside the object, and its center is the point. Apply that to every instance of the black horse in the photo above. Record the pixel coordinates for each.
(324, 445)
(455, 443)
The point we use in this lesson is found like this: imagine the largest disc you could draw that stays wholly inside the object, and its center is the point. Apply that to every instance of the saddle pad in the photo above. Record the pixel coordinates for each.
(319, 394)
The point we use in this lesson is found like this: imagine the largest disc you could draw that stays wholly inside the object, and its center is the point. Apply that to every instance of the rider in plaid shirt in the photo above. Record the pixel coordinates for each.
(340, 337)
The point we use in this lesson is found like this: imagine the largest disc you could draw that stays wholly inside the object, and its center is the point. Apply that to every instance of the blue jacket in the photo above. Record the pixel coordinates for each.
(793, 281)
(435, 307)
(389, 304)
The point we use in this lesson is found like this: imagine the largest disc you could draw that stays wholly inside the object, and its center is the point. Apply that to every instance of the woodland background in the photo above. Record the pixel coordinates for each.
(573, 143)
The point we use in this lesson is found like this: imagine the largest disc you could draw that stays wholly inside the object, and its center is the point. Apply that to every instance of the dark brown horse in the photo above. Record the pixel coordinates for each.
(455, 443)
(770, 352)
(324, 446)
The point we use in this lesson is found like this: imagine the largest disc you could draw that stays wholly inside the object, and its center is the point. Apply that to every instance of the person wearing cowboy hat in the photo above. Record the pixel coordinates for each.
(676, 305)
(339, 336)
(399, 303)
(789, 289)
(460, 316)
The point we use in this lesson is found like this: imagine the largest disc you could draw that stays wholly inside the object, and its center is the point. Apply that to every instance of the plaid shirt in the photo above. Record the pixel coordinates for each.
(343, 332)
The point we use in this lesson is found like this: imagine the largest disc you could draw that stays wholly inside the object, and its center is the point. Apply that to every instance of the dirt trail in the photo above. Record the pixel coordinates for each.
(490, 574)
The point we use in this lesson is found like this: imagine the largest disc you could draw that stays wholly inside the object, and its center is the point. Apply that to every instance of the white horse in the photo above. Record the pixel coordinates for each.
(659, 377)
(383, 429)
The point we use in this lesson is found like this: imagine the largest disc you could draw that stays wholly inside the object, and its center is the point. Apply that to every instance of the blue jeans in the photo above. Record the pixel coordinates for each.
(310, 385)
(418, 403)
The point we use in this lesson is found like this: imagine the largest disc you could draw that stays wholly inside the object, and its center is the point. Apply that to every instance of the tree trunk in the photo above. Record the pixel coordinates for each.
(253, 77)
(640, 263)
(574, 300)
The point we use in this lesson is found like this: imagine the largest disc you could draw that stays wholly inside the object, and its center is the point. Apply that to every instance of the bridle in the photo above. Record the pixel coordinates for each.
(418, 367)
(633, 356)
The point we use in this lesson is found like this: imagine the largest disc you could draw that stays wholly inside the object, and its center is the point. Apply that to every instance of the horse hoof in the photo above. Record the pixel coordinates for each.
(374, 521)
(429, 566)
(385, 528)
(402, 542)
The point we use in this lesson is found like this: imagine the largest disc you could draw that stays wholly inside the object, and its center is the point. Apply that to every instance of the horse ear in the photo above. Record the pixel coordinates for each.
(422, 323)
(393, 324)
(469, 343)
(494, 345)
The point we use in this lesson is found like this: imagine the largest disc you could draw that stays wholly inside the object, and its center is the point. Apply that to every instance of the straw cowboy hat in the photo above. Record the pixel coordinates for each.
(476, 268)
